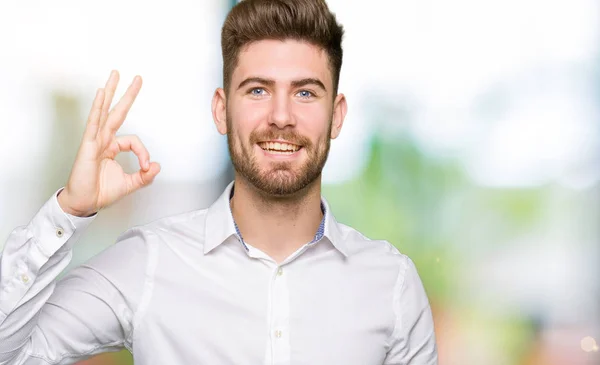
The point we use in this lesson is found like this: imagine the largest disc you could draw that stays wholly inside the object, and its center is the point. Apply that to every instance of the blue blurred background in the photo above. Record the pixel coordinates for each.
(472, 143)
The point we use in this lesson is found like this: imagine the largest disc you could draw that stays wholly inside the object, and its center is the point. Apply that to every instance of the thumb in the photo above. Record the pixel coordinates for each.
(143, 178)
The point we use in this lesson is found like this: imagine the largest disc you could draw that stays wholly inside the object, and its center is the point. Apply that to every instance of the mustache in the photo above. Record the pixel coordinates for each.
(274, 134)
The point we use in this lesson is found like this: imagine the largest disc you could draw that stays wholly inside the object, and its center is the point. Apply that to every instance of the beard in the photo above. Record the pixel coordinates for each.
(278, 178)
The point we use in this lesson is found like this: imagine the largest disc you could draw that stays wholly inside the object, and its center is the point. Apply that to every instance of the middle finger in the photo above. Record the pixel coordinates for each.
(109, 93)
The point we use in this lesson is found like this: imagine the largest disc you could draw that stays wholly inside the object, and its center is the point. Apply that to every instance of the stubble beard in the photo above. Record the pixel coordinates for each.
(280, 179)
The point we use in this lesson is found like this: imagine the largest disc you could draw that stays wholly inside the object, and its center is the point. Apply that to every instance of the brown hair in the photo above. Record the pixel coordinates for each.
(304, 20)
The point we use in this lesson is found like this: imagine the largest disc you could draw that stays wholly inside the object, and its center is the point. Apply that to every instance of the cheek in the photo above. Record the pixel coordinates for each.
(244, 119)
(314, 122)
(250, 113)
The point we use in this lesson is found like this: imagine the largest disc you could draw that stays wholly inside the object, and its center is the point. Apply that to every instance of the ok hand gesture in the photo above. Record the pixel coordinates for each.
(96, 179)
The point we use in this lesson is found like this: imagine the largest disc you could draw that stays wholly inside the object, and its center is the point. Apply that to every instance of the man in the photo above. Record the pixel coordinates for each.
(265, 275)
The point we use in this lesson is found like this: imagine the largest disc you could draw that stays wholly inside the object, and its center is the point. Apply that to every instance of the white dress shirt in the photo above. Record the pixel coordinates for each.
(187, 290)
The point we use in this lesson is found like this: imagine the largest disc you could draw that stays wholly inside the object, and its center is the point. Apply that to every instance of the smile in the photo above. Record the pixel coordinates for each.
(281, 148)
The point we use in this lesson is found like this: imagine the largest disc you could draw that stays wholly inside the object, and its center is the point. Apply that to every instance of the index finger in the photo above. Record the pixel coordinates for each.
(117, 115)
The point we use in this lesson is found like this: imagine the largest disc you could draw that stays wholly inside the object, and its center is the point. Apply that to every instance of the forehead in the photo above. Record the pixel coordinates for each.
(282, 61)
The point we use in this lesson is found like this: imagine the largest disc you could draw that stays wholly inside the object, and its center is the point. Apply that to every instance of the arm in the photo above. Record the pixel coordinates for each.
(42, 322)
(87, 312)
(413, 338)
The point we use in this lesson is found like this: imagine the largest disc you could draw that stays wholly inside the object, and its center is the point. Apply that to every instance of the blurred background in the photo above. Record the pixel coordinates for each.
(472, 143)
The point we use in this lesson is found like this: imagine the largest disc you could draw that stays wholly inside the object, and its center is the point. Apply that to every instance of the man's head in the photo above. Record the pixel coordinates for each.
(302, 20)
(279, 106)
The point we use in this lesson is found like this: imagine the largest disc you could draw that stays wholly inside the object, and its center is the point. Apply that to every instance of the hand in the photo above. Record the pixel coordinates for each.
(96, 179)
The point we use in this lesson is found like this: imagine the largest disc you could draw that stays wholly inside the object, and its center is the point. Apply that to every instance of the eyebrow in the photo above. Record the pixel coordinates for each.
(257, 80)
(308, 81)
(295, 83)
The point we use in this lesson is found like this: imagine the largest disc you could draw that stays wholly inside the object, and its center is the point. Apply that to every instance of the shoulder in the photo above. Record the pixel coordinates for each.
(361, 245)
(376, 255)
(136, 248)
(398, 270)
(137, 243)
(179, 224)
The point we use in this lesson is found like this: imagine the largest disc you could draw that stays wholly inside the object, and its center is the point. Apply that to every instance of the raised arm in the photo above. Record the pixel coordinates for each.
(91, 309)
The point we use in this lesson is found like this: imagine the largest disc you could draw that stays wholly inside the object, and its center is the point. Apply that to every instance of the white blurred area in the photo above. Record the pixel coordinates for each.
(509, 87)
(71, 46)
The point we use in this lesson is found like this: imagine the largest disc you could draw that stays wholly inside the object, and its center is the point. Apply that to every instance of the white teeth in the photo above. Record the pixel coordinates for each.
(277, 147)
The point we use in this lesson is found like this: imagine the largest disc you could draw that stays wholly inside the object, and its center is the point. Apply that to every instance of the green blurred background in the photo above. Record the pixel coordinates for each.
(472, 144)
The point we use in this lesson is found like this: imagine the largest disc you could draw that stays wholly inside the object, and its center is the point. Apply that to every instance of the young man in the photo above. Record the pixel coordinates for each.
(265, 275)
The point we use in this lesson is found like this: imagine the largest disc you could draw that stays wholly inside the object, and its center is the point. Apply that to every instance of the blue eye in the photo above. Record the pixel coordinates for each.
(257, 91)
(305, 94)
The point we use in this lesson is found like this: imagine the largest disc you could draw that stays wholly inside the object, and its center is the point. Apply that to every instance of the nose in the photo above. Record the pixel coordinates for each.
(281, 113)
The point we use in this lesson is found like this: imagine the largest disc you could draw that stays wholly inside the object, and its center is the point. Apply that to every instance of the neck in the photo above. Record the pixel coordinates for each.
(276, 225)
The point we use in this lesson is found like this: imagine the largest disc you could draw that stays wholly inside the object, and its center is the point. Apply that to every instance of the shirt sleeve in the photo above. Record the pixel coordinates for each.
(413, 338)
(89, 311)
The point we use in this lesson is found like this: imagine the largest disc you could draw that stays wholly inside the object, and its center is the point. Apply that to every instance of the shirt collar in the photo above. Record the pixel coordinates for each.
(220, 225)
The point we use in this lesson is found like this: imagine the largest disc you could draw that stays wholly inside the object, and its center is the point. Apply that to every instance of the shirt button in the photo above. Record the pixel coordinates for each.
(59, 232)
(278, 334)
(24, 278)
(279, 271)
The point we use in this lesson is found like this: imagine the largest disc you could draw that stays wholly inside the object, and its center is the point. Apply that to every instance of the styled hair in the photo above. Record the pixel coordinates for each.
(302, 20)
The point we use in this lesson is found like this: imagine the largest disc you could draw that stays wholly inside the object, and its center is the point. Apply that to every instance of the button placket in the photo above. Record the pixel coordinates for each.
(280, 348)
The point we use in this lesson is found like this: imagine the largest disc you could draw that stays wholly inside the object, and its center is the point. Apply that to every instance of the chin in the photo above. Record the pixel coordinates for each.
(277, 183)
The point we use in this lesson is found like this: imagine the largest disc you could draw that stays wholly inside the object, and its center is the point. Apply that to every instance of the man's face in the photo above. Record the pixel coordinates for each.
(279, 113)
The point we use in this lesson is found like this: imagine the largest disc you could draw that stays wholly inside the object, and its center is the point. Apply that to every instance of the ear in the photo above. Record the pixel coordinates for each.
(340, 108)
(219, 110)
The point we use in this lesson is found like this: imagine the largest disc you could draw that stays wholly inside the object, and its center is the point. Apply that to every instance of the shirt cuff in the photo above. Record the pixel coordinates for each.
(52, 227)
(83, 221)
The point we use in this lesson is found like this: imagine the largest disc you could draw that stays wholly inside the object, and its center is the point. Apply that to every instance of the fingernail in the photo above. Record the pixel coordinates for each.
(147, 165)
